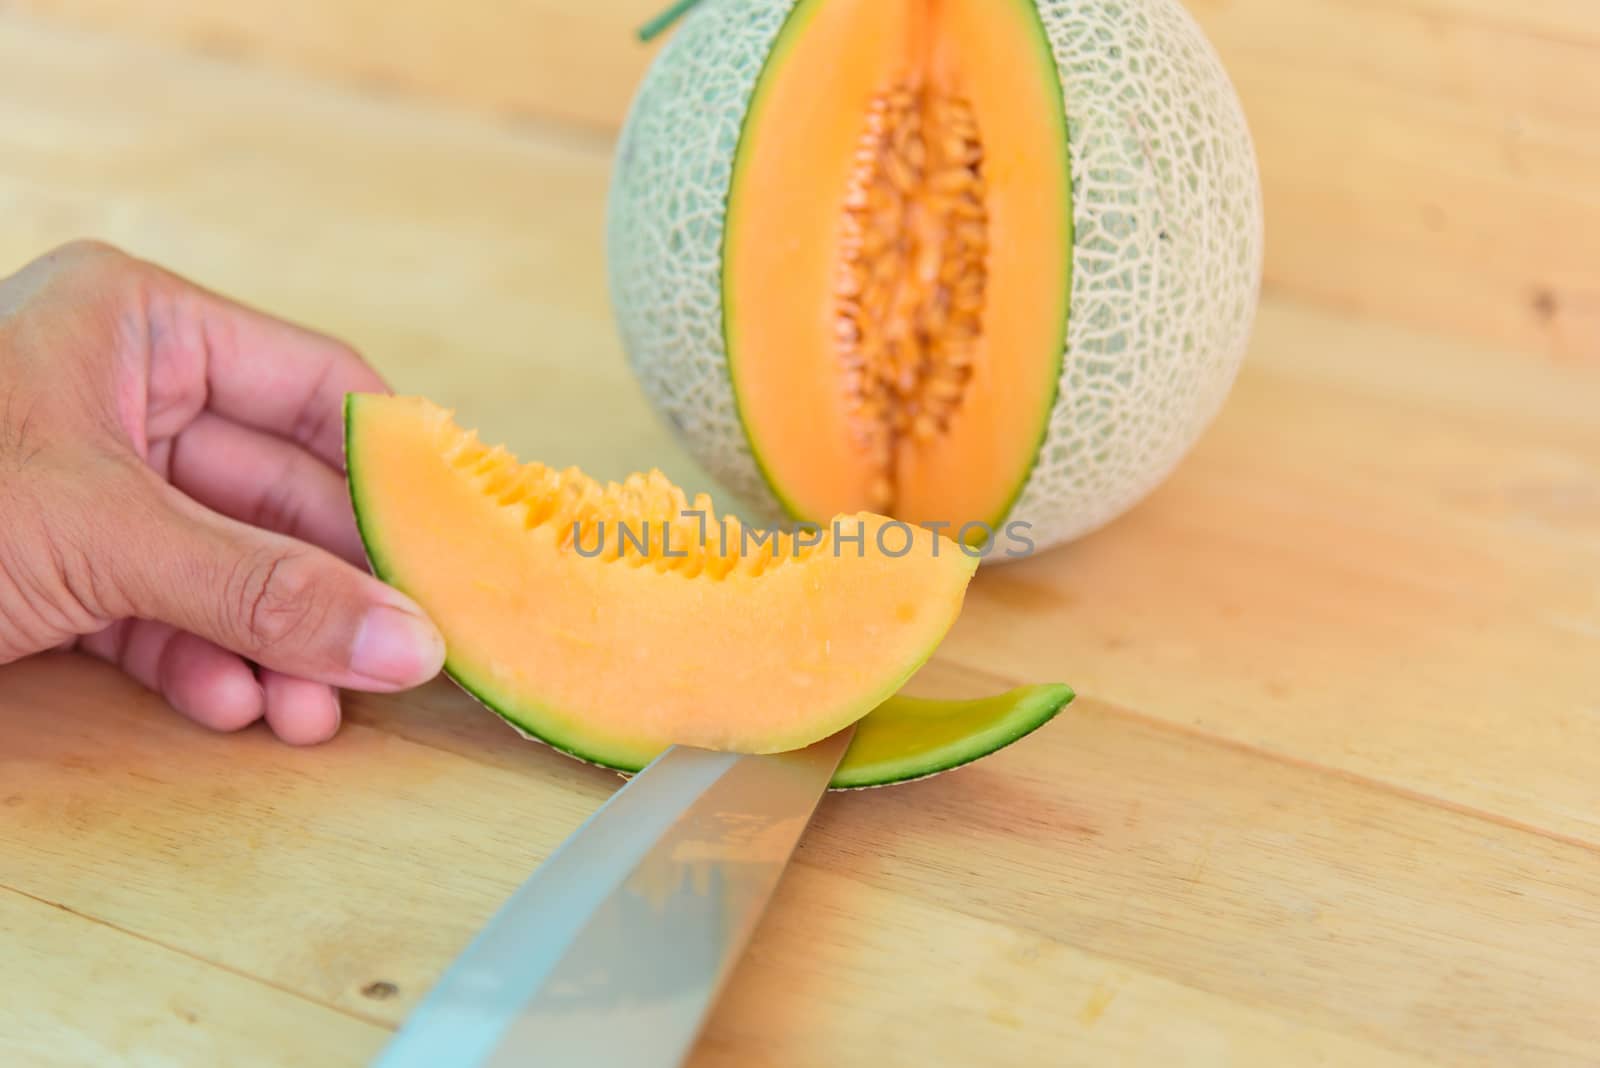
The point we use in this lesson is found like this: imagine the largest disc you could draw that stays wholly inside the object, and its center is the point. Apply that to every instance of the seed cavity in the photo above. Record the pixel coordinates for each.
(644, 521)
(909, 297)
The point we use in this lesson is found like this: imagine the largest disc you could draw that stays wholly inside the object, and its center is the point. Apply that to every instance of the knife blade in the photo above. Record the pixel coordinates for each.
(614, 950)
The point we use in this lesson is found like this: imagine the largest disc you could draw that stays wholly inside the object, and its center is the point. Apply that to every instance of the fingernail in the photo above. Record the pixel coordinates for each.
(397, 647)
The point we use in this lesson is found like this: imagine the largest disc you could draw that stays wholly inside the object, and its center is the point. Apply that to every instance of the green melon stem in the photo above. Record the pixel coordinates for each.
(664, 21)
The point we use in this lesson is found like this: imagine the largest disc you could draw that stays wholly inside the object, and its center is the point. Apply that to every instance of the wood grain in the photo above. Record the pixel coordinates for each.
(1429, 162)
(1247, 905)
(79, 992)
(1329, 796)
(543, 59)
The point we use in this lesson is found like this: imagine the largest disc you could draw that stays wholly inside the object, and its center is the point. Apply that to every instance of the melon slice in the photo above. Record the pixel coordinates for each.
(613, 621)
(909, 738)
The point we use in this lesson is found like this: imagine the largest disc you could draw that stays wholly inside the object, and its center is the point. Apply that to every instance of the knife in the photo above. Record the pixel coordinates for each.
(615, 948)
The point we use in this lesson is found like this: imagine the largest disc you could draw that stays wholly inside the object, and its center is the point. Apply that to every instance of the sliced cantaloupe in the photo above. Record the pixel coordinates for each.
(613, 621)
(612, 645)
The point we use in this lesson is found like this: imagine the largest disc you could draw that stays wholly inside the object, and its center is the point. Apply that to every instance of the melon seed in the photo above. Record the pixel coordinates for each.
(911, 280)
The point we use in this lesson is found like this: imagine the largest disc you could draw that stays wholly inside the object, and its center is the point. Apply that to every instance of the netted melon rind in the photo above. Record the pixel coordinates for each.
(665, 224)
(1166, 264)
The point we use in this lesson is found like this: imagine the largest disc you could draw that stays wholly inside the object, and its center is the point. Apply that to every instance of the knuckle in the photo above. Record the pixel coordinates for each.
(94, 272)
(87, 249)
(311, 425)
(24, 436)
(273, 596)
(314, 419)
(75, 270)
(78, 579)
(93, 259)
(340, 350)
(279, 508)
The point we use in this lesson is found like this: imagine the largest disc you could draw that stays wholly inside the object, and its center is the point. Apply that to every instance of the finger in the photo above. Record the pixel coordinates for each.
(265, 481)
(258, 370)
(282, 603)
(299, 711)
(282, 378)
(211, 686)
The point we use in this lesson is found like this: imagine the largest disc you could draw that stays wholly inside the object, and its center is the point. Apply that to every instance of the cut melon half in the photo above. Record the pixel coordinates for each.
(613, 621)
(985, 263)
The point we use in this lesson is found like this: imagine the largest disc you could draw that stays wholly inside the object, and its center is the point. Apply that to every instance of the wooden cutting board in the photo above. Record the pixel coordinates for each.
(1331, 794)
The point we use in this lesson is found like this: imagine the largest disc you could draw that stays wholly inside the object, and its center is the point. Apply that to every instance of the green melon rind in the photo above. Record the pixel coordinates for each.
(666, 214)
(1031, 707)
(792, 27)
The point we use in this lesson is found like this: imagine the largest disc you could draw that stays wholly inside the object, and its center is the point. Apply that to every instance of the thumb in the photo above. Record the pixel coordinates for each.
(282, 603)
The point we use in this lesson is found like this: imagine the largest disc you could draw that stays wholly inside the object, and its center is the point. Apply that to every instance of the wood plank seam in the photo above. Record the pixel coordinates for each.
(1405, 793)
(189, 955)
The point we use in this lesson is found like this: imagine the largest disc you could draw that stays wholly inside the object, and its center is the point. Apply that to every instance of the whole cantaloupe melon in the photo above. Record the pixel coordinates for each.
(988, 265)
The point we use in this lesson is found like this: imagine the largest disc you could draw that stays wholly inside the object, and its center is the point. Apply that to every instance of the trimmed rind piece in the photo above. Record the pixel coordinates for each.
(908, 738)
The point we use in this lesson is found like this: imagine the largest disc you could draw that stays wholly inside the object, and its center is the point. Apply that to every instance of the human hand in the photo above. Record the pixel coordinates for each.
(171, 498)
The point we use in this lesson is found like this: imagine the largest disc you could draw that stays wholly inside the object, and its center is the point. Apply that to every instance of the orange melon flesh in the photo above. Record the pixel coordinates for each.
(783, 250)
(656, 639)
